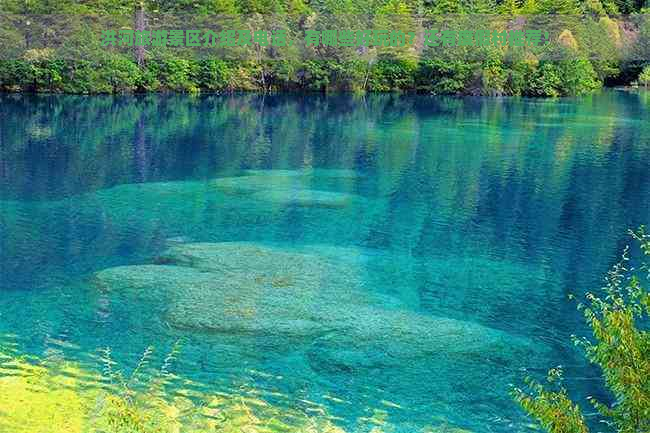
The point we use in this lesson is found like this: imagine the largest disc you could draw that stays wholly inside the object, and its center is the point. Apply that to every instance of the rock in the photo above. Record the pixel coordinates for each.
(350, 330)
(150, 282)
(266, 290)
(306, 198)
(247, 288)
(177, 240)
(140, 276)
(324, 173)
(247, 260)
(213, 302)
(377, 339)
(276, 173)
(243, 185)
(323, 275)
(244, 288)
(287, 187)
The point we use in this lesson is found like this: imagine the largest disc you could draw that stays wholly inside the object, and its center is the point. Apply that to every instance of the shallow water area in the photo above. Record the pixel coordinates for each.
(384, 263)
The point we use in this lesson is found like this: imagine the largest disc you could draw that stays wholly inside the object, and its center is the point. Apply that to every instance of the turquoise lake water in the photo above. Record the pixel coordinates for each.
(387, 260)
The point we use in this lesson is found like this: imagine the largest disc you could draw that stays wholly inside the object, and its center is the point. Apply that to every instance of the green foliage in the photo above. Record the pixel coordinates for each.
(620, 347)
(443, 76)
(562, 78)
(390, 73)
(136, 401)
(316, 75)
(642, 48)
(553, 409)
(644, 77)
(546, 80)
(579, 77)
(179, 74)
(566, 7)
(81, 65)
(520, 73)
(493, 75)
(214, 74)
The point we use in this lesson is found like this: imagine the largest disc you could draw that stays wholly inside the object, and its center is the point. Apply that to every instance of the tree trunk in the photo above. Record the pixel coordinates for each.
(139, 27)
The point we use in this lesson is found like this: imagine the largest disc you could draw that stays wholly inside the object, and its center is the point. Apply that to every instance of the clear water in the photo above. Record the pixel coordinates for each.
(413, 210)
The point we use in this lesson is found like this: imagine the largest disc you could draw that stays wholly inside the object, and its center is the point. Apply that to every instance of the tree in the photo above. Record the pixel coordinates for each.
(620, 346)
(139, 27)
(644, 77)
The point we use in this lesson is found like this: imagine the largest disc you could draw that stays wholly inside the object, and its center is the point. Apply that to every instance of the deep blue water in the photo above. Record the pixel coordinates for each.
(344, 232)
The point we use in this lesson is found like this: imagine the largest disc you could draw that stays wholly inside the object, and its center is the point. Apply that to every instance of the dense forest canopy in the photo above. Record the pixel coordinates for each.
(55, 46)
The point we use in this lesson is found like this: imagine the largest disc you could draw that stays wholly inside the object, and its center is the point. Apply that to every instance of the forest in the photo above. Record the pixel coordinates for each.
(55, 47)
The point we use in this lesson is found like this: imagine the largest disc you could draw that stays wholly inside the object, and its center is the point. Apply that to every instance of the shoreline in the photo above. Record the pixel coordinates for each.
(239, 92)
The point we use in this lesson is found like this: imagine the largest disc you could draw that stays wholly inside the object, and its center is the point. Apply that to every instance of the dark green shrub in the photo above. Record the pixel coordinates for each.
(444, 76)
(214, 74)
(121, 74)
(390, 73)
(16, 75)
(178, 75)
(545, 81)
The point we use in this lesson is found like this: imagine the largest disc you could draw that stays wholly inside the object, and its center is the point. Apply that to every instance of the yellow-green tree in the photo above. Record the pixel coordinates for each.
(644, 77)
(620, 346)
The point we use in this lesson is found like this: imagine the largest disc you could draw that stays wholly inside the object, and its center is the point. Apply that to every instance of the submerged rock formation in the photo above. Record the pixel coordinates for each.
(306, 198)
(289, 187)
(251, 289)
(245, 288)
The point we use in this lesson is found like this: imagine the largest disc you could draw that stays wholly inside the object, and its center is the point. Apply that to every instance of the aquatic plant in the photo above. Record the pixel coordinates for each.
(55, 396)
(620, 347)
